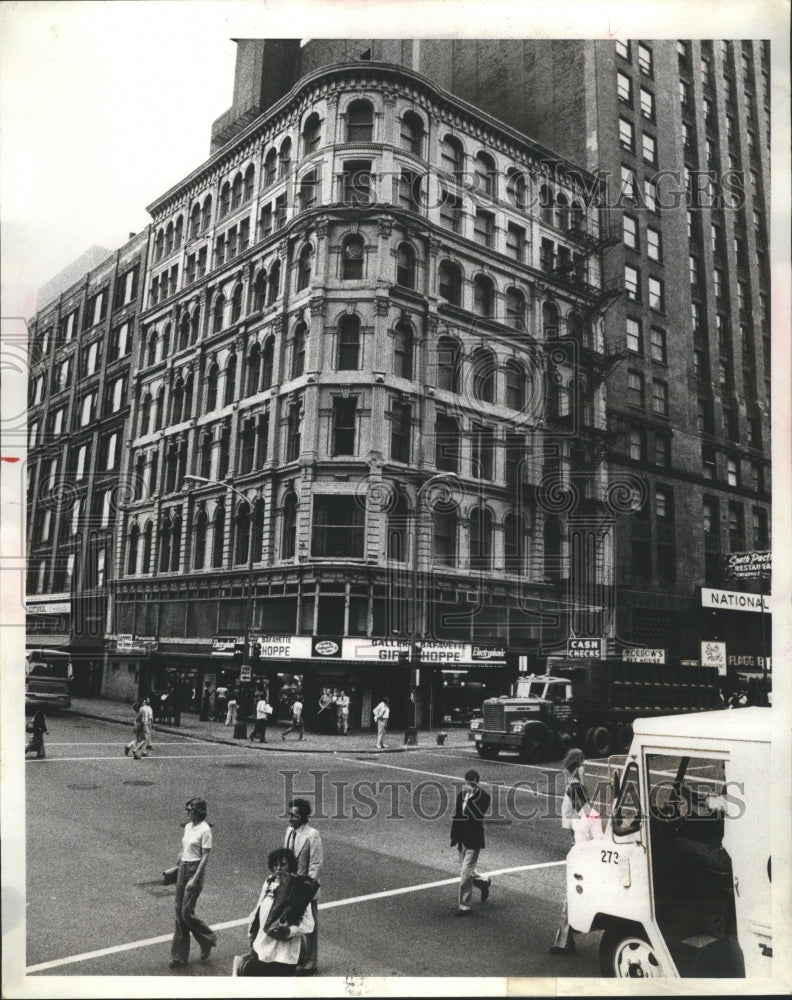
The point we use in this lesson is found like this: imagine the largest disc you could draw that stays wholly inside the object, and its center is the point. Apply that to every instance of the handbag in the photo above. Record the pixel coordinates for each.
(29, 727)
(170, 875)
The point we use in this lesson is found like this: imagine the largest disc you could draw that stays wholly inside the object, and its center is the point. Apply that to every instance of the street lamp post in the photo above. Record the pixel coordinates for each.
(419, 602)
(249, 602)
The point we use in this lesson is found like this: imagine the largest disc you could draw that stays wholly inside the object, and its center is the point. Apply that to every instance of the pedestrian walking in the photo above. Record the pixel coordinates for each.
(231, 710)
(583, 823)
(206, 702)
(175, 702)
(324, 716)
(281, 919)
(37, 727)
(193, 858)
(304, 840)
(221, 702)
(467, 835)
(381, 716)
(342, 714)
(263, 712)
(149, 722)
(297, 720)
(137, 745)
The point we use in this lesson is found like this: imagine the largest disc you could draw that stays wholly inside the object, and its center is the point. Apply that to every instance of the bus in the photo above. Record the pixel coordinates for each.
(48, 678)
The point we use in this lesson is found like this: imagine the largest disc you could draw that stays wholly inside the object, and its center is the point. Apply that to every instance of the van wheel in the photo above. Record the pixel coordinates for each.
(487, 751)
(626, 954)
(599, 741)
(533, 746)
(624, 737)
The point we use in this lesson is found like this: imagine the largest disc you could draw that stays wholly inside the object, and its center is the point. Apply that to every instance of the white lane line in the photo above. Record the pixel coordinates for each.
(229, 924)
(153, 758)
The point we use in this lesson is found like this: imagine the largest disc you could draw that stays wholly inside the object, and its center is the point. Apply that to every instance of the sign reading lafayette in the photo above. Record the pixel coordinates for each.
(749, 565)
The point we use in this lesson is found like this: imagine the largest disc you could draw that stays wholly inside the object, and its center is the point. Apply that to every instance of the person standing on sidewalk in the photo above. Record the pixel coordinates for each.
(137, 745)
(231, 708)
(381, 716)
(263, 712)
(194, 855)
(342, 714)
(304, 840)
(149, 716)
(297, 720)
(467, 835)
(37, 726)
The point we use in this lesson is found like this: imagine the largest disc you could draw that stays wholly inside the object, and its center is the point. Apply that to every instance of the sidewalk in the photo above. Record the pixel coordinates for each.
(358, 741)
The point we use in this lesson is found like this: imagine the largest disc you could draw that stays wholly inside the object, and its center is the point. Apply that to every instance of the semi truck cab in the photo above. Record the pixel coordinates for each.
(680, 882)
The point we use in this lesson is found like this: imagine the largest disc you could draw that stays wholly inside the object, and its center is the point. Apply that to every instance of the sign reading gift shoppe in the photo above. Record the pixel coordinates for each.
(304, 647)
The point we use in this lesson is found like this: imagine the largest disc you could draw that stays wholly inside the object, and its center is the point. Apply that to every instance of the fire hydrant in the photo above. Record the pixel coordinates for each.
(441, 738)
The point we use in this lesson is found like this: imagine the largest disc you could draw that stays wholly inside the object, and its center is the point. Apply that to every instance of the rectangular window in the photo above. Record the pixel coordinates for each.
(401, 424)
(662, 450)
(109, 451)
(656, 294)
(624, 88)
(86, 410)
(280, 211)
(627, 183)
(637, 445)
(732, 472)
(645, 60)
(658, 345)
(450, 210)
(736, 528)
(760, 529)
(482, 452)
(634, 336)
(664, 503)
(409, 190)
(623, 50)
(717, 283)
(338, 527)
(684, 95)
(649, 147)
(626, 135)
(647, 105)
(654, 244)
(660, 397)
(630, 231)
(344, 424)
(635, 388)
(293, 427)
(265, 221)
(632, 286)
(650, 195)
(484, 228)
(68, 324)
(515, 241)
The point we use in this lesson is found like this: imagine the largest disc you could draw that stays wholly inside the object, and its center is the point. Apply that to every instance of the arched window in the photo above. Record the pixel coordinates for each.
(211, 387)
(165, 545)
(178, 233)
(253, 370)
(159, 408)
(480, 539)
(398, 525)
(224, 205)
(352, 254)
(152, 348)
(148, 537)
(483, 295)
(270, 168)
(284, 157)
(250, 182)
(195, 324)
(577, 217)
(242, 534)
(145, 414)
(515, 543)
(348, 344)
(449, 357)
(218, 540)
(166, 342)
(236, 303)
(484, 168)
(257, 535)
(549, 320)
(444, 536)
(562, 212)
(304, 265)
(449, 282)
(267, 361)
(132, 548)
(236, 191)
(310, 189)
(207, 447)
(175, 543)
(515, 385)
(289, 534)
(517, 188)
(273, 285)
(403, 351)
(552, 549)
(229, 394)
(199, 539)
(159, 246)
(188, 397)
(452, 156)
(546, 205)
(405, 266)
(311, 133)
(177, 402)
(515, 308)
(484, 368)
(412, 133)
(298, 350)
(206, 213)
(195, 220)
(259, 291)
(360, 122)
(184, 331)
(218, 308)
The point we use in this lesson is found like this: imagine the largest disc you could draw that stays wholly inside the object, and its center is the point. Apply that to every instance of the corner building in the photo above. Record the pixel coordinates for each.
(373, 331)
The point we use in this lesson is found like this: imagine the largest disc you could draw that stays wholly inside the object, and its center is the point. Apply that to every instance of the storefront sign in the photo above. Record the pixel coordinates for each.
(585, 649)
(645, 655)
(325, 649)
(750, 662)
(245, 673)
(734, 600)
(285, 647)
(428, 652)
(227, 645)
(54, 608)
(375, 650)
(749, 565)
(713, 654)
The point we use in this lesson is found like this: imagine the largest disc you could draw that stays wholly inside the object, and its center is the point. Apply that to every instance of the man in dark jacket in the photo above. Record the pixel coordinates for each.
(467, 834)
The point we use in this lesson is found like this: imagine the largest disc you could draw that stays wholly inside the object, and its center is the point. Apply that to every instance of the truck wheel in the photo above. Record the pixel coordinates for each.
(624, 737)
(626, 954)
(599, 741)
(487, 751)
(533, 746)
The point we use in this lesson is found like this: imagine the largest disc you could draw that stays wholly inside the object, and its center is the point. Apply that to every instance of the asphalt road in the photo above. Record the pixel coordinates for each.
(101, 827)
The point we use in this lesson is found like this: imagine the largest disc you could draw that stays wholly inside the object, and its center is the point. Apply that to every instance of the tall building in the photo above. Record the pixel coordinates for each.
(362, 392)
(80, 349)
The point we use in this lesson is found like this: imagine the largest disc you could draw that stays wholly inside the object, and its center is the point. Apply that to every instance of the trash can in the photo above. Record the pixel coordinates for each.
(441, 738)
(411, 736)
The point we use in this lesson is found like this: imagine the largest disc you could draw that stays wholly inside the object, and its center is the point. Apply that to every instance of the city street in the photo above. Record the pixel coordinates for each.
(389, 881)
